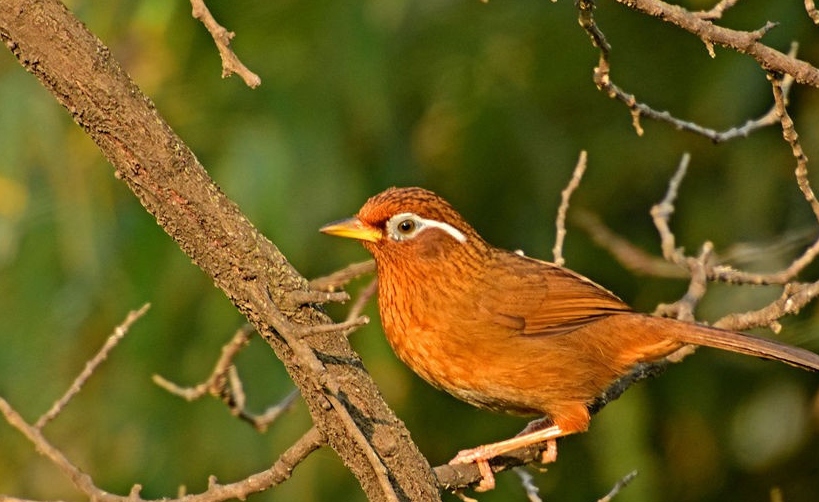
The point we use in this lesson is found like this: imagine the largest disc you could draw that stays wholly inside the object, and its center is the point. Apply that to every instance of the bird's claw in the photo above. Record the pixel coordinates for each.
(480, 457)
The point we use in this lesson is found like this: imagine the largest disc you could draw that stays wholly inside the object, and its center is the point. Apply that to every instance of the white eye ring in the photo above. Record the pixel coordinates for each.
(405, 226)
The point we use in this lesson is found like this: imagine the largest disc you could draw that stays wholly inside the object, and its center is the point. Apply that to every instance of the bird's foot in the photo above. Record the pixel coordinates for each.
(480, 456)
(549, 455)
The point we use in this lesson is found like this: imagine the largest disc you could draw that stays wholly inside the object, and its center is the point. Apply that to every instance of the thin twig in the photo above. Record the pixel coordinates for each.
(215, 383)
(629, 255)
(528, 483)
(661, 213)
(628, 478)
(364, 296)
(341, 277)
(222, 37)
(262, 421)
(565, 195)
(602, 79)
(224, 383)
(717, 10)
(92, 364)
(791, 136)
(744, 42)
(276, 474)
(794, 297)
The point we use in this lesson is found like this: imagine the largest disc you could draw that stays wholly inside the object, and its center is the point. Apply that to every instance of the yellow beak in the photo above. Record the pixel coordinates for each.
(352, 228)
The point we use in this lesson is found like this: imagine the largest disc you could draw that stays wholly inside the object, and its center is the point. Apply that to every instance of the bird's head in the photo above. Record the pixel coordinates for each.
(408, 223)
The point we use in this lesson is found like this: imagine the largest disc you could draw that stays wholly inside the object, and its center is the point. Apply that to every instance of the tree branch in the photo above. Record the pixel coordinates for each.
(173, 186)
(744, 42)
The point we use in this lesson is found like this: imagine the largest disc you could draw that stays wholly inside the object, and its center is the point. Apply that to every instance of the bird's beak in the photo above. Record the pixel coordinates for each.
(352, 228)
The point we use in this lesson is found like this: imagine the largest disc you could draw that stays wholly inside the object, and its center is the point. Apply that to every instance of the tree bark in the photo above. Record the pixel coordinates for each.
(164, 174)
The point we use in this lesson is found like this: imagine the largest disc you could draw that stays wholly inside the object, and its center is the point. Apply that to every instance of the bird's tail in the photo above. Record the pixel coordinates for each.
(743, 343)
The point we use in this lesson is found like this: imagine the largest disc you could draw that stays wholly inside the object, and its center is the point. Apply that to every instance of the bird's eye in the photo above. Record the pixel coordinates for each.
(406, 226)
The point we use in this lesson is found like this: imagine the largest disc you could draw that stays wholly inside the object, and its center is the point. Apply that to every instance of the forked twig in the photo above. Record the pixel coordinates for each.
(225, 384)
(603, 81)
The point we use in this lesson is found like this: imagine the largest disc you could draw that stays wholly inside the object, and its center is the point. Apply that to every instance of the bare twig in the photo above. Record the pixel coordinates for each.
(363, 297)
(222, 37)
(684, 308)
(744, 42)
(629, 255)
(276, 474)
(262, 421)
(225, 384)
(345, 327)
(565, 195)
(602, 78)
(793, 298)
(216, 382)
(340, 278)
(661, 213)
(717, 10)
(529, 486)
(92, 364)
(628, 478)
(791, 136)
(310, 296)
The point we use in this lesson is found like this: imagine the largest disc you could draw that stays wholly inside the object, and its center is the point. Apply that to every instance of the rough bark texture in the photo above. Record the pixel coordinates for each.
(173, 186)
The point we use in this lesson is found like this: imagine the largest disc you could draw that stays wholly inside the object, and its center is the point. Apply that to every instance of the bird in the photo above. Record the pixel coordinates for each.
(511, 333)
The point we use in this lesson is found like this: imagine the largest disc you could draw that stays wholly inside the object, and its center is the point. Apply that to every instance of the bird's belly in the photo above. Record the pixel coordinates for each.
(474, 378)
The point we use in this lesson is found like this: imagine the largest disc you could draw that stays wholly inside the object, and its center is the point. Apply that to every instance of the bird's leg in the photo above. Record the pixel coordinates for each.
(481, 454)
(548, 455)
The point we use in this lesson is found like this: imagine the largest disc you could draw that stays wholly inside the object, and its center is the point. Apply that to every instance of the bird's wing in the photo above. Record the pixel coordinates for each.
(533, 297)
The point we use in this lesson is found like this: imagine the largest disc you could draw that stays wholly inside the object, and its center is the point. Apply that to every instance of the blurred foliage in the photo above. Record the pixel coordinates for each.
(488, 104)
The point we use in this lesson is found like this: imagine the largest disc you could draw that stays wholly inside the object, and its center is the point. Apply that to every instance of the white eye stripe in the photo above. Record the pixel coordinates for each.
(446, 227)
(423, 223)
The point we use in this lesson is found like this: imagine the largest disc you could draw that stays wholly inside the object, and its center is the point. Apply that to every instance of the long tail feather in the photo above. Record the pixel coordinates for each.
(744, 344)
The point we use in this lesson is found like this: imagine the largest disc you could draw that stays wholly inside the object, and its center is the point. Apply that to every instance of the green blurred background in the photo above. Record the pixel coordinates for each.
(488, 104)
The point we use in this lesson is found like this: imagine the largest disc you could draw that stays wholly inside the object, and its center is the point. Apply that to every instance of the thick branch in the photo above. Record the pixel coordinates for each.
(167, 178)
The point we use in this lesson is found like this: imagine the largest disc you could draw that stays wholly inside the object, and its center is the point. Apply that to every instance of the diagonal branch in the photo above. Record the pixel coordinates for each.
(173, 186)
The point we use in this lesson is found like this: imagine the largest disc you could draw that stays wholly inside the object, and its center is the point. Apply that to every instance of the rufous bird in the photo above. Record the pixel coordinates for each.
(511, 333)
